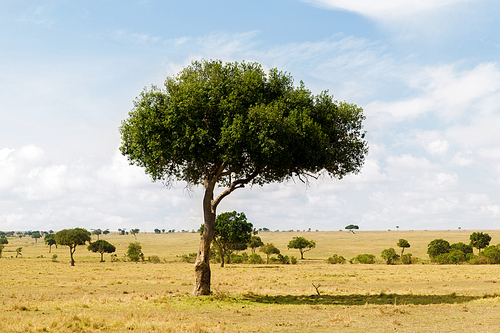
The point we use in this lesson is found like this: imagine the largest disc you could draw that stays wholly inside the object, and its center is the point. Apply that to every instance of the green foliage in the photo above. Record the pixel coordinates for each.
(154, 259)
(336, 259)
(351, 227)
(364, 258)
(437, 247)
(269, 249)
(407, 259)
(4, 240)
(255, 242)
(36, 235)
(452, 257)
(233, 114)
(191, 257)
(465, 248)
(479, 240)
(283, 259)
(54, 257)
(239, 258)
(302, 244)
(390, 256)
(18, 251)
(101, 246)
(1, 249)
(293, 260)
(72, 238)
(232, 232)
(97, 232)
(135, 232)
(403, 243)
(255, 258)
(134, 252)
(492, 253)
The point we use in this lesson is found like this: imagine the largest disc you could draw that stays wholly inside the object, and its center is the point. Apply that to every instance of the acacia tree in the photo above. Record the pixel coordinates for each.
(255, 242)
(228, 125)
(102, 247)
(97, 232)
(302, 244)
(403, 243)
(479, 240)
(72, 238)
(269, 249)
(135, 232)
(232, 232)
(50, 239)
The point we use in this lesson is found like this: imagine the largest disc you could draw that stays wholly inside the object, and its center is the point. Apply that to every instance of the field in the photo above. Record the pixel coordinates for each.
(41, 295)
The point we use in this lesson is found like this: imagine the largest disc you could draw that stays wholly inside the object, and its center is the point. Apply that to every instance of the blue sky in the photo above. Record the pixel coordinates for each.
(426, 73)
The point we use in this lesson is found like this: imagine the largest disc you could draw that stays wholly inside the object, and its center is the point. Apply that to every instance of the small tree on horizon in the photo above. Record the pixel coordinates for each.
(135, 232)
(36, 235)
(302, 244)
(50, 239)
(97, 232)
(102, 247)
(403, 243)
(72, 238)
(269, 249)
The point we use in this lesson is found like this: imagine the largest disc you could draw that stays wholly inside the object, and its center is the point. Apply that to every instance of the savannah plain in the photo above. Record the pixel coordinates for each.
(38, 294)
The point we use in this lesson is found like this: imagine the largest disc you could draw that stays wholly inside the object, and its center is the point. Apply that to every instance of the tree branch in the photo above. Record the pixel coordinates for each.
(240, 183)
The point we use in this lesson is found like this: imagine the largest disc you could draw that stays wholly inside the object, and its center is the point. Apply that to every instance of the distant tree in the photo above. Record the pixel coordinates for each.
(18, 251)
(50, 240)
(492, 253)
(105, 232)
(231, 229)
(479, 240)
(403, 243)
(302, 244)
(254, 243)
(465, 248)
(390, 256)
(163, 230)
(134, 252)
(102, 247)
(97, 232)
(36, 235)
(72, 238)
(269, 249)
(4, 240)
(121, 231)
(437, 247)
(1, 249)
(352, 226)
(157, 231)
(135, 232)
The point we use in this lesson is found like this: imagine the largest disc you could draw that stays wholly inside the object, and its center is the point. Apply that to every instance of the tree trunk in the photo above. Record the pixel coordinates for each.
(71, 251)
(301, 254)
(102, 256)
(202, 264)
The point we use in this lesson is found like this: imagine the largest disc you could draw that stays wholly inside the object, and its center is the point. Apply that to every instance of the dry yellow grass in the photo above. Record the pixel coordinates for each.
(38, 295)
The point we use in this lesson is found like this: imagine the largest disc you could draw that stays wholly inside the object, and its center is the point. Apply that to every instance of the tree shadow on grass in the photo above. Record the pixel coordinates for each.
(356, 299)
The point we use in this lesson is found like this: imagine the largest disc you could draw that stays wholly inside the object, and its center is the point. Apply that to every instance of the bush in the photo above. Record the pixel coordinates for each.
(255, 258)
(492, 253)
(54, 258)
(407, 259)
(336, 259)
(191, 258)
(364, 258)
(154, 259)
(437, 247)
(390, 256)
(283, 259)
(453, 257)
(239, 259)
(293, 260)
(134, 252)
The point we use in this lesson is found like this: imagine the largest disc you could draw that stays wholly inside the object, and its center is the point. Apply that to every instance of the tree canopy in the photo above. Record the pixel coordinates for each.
(302, 244)
(232, 231)
(479, 240)
(231, 124)
(437, 247)
(72, 238)
(102, 247)
(269, 249)
(403, 243)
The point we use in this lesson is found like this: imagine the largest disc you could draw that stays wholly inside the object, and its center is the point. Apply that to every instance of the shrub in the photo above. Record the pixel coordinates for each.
(293, 260)
(54, 258)
(239, 259)
(255, 258)
(191, 258)
(390, 256)
(336, 259)
(437, 247)
(283, 259)
(154, 259)
(134, 252)
(364, 258)
(407, 259)
(492, 253)
(453, 257)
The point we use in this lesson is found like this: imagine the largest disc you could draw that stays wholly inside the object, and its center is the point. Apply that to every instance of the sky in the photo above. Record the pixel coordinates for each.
(426, 73)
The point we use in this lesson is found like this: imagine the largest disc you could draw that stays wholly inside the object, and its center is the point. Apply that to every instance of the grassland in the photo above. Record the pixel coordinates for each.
(39, 295)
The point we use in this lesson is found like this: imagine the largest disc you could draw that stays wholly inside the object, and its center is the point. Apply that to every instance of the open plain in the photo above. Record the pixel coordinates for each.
(38, 294)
